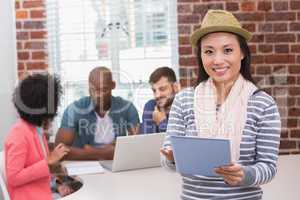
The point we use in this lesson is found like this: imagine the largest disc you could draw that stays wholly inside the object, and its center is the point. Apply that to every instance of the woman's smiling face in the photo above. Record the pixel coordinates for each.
(221, 56)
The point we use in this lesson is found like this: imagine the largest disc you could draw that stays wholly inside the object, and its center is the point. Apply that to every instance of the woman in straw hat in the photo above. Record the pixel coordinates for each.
(226, 104)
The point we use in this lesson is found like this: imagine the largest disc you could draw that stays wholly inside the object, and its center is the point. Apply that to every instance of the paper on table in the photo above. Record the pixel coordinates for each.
(83, 167)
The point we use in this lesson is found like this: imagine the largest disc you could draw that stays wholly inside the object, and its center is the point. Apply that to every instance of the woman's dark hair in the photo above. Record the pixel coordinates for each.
(245, 63)
(36, 98)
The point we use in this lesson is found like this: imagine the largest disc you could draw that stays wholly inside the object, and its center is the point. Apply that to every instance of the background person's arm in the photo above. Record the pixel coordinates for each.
(147, 125)
(134, 130)
(133, 121)
(162, 127)
(67, 137)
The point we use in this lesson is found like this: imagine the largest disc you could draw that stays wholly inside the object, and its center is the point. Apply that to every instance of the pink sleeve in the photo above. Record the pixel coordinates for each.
(16, 172)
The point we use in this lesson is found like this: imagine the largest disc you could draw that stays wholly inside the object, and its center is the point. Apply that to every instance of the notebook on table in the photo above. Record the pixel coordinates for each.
(199, 156)
(82, 167)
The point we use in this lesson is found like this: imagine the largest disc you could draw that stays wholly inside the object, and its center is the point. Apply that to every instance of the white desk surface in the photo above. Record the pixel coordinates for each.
(145, 184)
(158, 183)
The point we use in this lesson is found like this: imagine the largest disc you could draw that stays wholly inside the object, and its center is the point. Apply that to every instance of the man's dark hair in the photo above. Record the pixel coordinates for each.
(162, 72)
(36, 98)
(245, 63)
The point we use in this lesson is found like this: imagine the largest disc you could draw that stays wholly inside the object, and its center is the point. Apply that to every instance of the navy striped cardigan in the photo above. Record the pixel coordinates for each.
(258, 150)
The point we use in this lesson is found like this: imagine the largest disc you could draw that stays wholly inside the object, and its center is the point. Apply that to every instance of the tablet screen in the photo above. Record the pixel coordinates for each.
(199, 156)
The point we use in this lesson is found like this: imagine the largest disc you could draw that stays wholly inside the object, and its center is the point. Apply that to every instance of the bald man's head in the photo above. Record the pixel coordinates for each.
(100, 73)
(101, 85)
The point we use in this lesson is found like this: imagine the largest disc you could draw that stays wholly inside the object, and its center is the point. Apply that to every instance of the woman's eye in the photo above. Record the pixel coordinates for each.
(208, 51)
(228, 50)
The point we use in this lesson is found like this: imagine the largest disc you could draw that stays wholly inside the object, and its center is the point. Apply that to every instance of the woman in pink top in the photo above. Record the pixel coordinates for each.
(27, 158)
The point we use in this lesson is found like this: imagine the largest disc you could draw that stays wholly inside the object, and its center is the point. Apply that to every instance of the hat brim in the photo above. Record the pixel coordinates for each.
(199, 33)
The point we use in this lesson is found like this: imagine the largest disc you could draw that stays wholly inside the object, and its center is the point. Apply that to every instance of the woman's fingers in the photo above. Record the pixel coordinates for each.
(168, 153)
(232, 183)
(232, 179)
(58, 153)
(233, 174)
(61, 146)
(62, 149)
(234, 167)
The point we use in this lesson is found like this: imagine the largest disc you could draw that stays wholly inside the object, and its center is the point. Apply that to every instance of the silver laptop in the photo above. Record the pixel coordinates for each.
(136, 152)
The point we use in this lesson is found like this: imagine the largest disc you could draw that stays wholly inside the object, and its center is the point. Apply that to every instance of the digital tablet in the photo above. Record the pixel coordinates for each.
(199, 156)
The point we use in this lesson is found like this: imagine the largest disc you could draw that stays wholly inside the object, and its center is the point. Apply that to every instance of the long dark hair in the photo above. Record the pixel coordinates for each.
(245, 63)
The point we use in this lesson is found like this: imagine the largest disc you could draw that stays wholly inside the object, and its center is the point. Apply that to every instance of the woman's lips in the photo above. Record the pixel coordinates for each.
(221, 71)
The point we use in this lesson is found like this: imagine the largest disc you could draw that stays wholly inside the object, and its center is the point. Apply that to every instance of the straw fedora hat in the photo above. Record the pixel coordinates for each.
(219, 21)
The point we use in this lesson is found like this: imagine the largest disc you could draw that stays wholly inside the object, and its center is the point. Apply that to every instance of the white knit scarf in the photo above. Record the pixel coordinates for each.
(230, 119)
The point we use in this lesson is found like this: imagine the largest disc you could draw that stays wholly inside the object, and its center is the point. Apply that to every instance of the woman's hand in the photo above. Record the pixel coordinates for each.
(233, 174)
(168, 152)
(57, 154)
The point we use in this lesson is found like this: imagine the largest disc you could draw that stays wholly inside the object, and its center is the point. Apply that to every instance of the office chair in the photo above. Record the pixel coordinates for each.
(2, 177)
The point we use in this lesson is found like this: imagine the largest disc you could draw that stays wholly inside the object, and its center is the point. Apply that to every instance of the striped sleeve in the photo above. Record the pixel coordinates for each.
(175, 127)
(267, 143)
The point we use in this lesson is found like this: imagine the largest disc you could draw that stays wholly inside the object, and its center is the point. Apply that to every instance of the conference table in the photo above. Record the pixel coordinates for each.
(145, 184)
(159, 183)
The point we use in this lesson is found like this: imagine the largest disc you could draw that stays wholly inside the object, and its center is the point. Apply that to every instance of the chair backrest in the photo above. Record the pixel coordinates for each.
(3, 177)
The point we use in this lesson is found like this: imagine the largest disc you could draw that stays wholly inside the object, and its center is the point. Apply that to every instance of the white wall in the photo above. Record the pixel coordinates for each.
(8, 69)
(286, 183)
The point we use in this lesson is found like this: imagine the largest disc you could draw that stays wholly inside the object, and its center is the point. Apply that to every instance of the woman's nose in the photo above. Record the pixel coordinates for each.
(218, 59)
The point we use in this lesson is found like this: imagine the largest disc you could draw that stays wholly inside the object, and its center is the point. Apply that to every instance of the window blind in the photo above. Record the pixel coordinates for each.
(131, 37)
